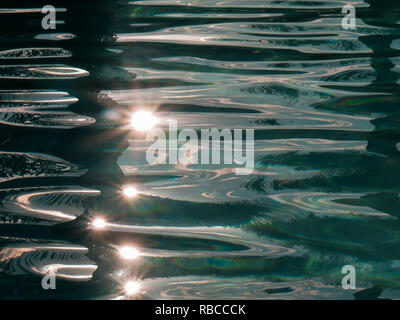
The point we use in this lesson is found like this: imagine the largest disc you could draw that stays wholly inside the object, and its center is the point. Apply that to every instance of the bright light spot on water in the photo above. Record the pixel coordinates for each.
(130, 192)
(128, 253)
(99, 223)
(143, 120)
(132, 287)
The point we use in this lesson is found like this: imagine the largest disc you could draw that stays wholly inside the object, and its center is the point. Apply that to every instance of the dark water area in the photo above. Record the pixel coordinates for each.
(77, 196)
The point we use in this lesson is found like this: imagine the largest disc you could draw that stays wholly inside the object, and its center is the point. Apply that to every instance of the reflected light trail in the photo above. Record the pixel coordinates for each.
(128, 253)
(143, 120)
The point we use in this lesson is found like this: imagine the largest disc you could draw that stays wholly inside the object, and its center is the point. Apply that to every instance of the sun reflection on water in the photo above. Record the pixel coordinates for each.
(143, 120)
(129, 253)
(132, 287)
(99, 223)
(129, 192)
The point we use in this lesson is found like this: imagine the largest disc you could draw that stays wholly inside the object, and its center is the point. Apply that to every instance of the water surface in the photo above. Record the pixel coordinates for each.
(323, 103)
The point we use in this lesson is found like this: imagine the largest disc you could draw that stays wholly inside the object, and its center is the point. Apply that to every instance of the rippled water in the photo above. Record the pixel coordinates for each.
(323, 102)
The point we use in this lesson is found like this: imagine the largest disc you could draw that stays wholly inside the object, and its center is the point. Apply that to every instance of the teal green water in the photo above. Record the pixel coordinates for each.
(323, 102)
